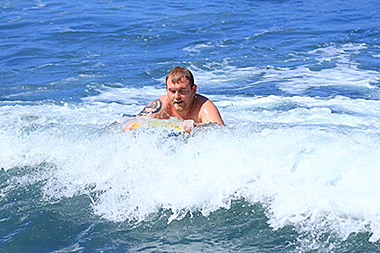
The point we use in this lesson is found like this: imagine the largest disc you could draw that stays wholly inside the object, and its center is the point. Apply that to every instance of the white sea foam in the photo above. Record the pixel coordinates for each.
(312, 162)
(295, 80)
(338, 112)
(129, 96)
(345, 74)
(197, 48)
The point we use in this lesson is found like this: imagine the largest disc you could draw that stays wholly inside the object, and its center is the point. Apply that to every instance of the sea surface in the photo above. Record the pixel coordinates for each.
(296, 169)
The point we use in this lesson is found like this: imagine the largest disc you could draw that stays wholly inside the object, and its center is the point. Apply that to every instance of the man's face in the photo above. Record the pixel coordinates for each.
(180, 94)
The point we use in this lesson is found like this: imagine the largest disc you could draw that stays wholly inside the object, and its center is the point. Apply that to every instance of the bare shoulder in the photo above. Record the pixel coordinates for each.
(208, 112)
(154, 108)
(204, 103)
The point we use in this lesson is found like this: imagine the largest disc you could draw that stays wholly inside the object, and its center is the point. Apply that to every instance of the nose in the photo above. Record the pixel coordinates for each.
(177, 95)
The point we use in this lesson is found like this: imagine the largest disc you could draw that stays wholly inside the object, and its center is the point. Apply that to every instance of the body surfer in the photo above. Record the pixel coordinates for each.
(182, 102)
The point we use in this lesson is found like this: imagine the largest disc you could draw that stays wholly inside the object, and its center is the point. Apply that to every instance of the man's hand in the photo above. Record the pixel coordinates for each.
(187, 126)
(131, 125)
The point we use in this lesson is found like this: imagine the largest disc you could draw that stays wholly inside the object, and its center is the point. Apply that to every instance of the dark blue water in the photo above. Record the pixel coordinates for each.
(296, 168)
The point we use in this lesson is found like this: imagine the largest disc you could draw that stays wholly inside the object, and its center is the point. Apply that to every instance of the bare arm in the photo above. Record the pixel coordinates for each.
(210, 114)
(152, 110)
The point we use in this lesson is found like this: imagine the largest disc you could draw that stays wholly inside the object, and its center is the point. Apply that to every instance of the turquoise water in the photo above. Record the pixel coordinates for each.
(295, 170)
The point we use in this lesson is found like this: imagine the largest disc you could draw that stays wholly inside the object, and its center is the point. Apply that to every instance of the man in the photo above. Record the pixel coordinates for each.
(182, 102)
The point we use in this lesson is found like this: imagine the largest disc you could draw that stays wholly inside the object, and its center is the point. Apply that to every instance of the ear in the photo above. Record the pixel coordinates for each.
(194, 89)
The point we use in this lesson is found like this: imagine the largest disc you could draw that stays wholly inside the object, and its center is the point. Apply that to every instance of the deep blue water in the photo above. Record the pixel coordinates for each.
(296, 169)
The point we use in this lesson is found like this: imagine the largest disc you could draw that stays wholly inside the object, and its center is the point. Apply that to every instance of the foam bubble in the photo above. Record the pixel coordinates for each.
(335, 68)
(339, 112)
(311, 162)
(197, 48)
(128, 95)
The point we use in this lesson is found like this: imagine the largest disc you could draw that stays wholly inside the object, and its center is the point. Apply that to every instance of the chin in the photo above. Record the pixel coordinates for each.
(179, 109)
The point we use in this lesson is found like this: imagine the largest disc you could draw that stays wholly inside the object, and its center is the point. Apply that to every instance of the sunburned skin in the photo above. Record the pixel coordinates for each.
(153, 107)
(182, 102)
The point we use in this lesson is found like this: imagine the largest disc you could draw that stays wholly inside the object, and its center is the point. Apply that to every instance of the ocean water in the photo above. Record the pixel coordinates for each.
(296, 169)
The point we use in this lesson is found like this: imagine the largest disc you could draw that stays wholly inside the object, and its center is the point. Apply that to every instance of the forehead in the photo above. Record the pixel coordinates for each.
(182, 83)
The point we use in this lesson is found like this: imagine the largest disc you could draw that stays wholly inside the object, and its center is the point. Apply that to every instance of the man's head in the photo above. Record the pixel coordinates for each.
(178, 73)
(180, 88)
